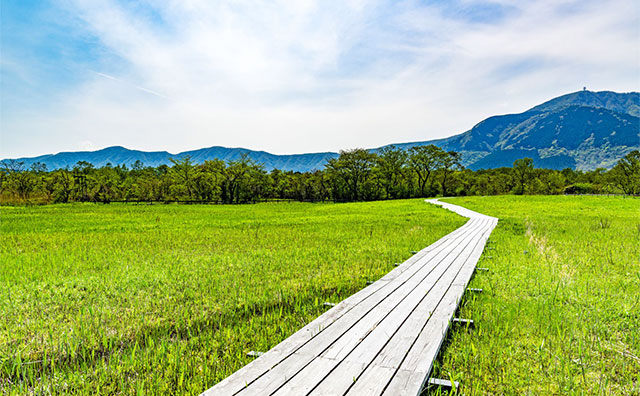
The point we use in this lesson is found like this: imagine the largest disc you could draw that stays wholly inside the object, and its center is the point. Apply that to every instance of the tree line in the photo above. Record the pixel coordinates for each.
(355, 175)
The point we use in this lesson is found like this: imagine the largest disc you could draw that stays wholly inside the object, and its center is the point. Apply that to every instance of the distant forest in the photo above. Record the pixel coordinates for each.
(356, 175)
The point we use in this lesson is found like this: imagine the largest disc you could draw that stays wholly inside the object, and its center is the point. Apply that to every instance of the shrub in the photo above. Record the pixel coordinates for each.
(579, 188)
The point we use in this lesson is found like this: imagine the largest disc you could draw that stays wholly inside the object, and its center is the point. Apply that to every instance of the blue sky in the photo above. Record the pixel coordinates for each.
(289, 77)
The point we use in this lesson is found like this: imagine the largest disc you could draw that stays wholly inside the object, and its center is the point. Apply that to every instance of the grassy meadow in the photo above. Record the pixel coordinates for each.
(560, 311)
(168, 299)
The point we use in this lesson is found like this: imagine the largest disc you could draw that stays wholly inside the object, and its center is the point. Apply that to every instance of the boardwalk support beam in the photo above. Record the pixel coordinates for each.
(463, 322)
(440, 383)
(482, 269)
(474, 290)
(255, 354)
(329, 304)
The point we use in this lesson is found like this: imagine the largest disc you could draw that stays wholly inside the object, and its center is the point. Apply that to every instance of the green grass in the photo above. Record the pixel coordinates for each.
(560, 311)
(168, 299)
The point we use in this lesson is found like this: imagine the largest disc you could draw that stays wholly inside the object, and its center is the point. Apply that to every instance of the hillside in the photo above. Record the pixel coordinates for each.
(583, 130)
(117, 155)
(626, 103)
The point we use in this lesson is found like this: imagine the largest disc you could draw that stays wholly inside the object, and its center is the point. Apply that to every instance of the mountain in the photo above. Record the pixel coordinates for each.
(583, 130)
(626, 103)
(117, 155)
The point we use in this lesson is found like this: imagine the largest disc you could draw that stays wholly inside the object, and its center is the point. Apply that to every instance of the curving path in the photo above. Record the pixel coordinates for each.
(382, 340)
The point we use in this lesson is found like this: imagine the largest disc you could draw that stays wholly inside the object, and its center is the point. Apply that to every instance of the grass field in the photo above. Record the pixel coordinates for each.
(560, 311)
(168, 299)
(121, 299)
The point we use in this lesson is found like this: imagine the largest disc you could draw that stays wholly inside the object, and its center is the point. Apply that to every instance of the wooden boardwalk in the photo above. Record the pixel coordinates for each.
(382, 340)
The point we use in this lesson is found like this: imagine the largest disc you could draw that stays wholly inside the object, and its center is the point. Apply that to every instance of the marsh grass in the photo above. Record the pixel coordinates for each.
(168, 299)
(604, 223)
(562, 319)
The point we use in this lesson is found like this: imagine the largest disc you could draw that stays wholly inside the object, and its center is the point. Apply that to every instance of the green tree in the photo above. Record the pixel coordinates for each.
(244, 180)
(523, 173)
(552, 181)
(424, 160)
(351, 173)
(20, 180)
(626, 173)
(390, 164)
(449, 162)
(208, 180)
(63, 182)
(184, 171)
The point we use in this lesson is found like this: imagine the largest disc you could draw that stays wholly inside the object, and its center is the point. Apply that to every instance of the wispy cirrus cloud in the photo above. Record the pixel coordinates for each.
(304, 76)
(143, 89)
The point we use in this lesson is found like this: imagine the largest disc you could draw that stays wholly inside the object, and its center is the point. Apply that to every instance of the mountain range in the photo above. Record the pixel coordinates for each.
(583, 130)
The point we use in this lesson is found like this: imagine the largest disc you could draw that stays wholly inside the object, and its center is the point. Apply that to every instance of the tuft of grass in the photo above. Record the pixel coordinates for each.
(563, 319)
(604, 223)
(168, 299)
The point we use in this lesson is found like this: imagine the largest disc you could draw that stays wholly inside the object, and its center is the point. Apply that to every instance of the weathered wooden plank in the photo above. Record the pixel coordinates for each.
(355, 352)
(413, 311)
(368, 384)
(409, 298)
(419, 360)
(298, 339)
(241, 378)
(380, 338)
(355, 324)
(394, 351)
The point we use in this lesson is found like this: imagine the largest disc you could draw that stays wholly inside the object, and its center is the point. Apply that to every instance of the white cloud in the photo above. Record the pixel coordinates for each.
(312, 76)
